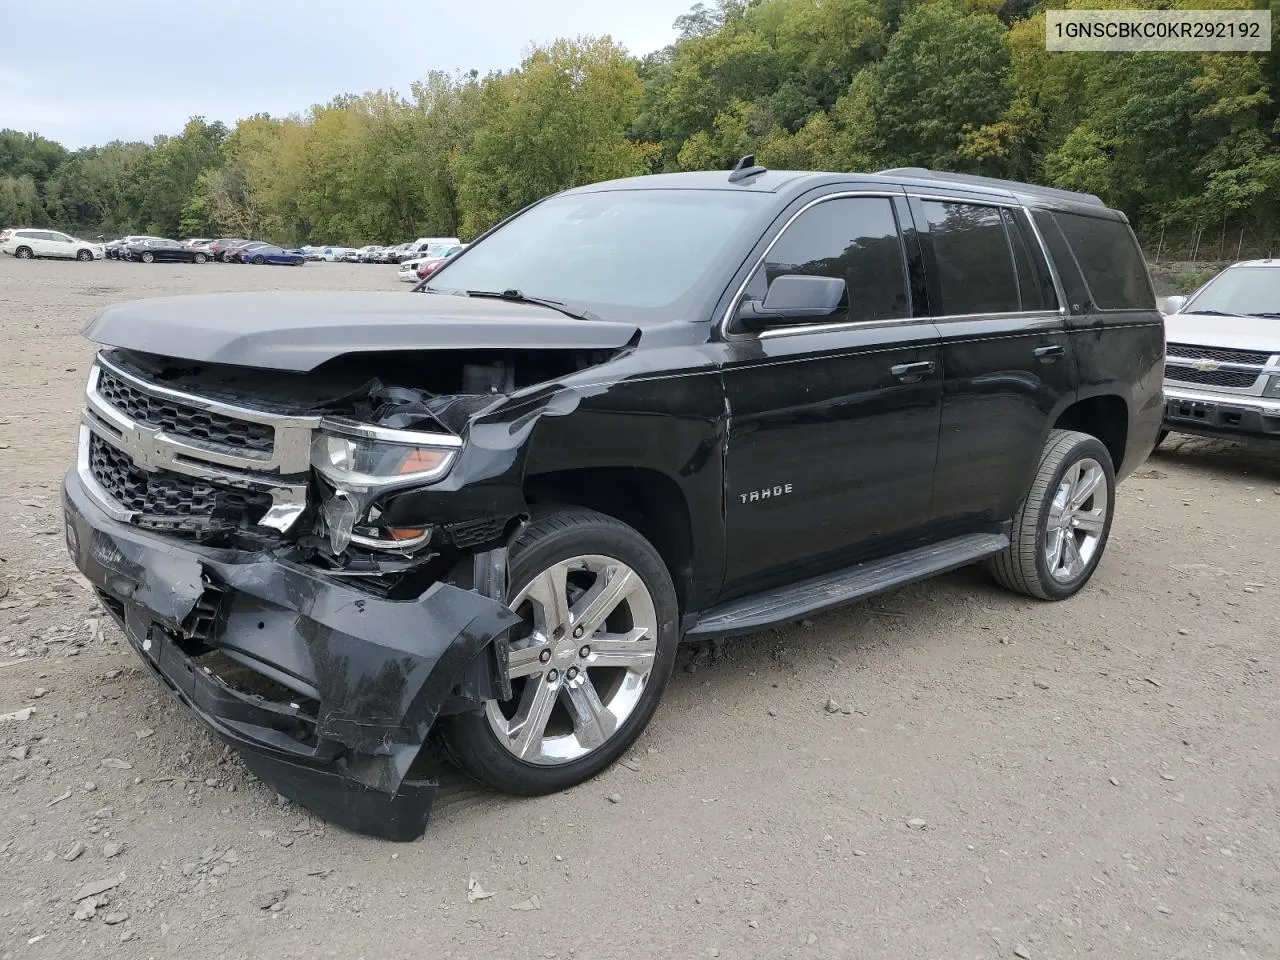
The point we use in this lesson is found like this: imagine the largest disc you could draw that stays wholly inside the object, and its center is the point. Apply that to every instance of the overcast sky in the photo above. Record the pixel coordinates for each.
(89, 71)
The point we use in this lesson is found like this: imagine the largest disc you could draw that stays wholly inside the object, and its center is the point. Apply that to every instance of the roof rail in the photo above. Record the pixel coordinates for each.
(992, 183)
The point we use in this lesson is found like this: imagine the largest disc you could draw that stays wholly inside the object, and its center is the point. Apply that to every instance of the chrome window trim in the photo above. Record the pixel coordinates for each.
(794, 329)
(730, 336)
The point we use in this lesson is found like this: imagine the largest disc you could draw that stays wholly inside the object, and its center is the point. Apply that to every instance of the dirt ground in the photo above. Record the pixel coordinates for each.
(1012, 778)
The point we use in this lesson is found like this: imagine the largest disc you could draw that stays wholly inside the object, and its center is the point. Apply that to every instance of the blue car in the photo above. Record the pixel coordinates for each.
(275, 256)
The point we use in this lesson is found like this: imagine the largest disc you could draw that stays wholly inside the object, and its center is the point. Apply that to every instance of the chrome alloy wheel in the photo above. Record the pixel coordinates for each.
(580, 664)
(1077, 520)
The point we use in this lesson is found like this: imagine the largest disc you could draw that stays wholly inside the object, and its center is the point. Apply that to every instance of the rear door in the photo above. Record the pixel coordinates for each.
(833, 423)
(1005, 350)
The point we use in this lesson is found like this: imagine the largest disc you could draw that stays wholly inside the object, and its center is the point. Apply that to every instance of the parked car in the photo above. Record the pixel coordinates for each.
(426, 246)
(275, 256)
(239, 252)
(433, 263)
(163, 251)
(588, 445)
(218, 249)
(30, 244)
(367, 254)
(113, 249)
(198, 243)
(334, 254)
(1222, 363)
(312, 253)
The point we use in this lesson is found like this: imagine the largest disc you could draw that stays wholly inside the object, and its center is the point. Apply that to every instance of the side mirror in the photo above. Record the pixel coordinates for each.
(793, 297)
(1174, 304)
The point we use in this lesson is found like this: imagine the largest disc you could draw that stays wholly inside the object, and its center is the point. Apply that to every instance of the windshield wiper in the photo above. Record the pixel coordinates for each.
(1211, 313)
(1272, 314)
(515, 296)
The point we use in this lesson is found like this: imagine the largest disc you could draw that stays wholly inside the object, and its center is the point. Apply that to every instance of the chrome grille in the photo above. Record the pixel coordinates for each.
(170, 501)
(1195, 352)
(167, 459)
(181, 420)
(1214, 378)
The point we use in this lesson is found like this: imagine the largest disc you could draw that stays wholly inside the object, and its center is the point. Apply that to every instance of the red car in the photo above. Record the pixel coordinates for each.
(427, 267)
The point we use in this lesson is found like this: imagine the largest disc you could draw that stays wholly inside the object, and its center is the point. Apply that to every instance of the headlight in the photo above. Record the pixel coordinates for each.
(356, 457)
(361, 462)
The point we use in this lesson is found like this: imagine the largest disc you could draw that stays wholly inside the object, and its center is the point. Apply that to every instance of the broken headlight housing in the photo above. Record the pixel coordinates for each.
(362, 461)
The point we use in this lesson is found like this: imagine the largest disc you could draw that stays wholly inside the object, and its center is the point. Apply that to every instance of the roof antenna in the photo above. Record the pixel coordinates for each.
(745, 169)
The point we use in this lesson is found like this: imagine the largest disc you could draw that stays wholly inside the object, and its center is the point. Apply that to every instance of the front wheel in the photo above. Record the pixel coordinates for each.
(84, 255)
(1060, 530)
(259, 260)
(200, 258)
(588, 663)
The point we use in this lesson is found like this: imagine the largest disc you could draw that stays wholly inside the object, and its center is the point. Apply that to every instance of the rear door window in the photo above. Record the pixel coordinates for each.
(1110, 260)
(1035, 285)
(973, 261)
(855, 239)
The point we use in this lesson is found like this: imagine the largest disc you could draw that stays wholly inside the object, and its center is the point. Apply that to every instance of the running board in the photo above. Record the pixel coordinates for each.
(843, 586)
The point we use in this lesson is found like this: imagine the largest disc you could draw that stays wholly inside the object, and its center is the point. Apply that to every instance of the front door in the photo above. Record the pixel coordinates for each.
(833, 423)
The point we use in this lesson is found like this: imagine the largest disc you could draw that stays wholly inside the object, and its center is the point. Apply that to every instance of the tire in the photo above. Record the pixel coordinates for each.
(148, 257)
(84, 255)
(298, 263)
(200, 258)
(1070, 459)
(1161, 437)
(595, 550)
(259, 260)
(24, 253)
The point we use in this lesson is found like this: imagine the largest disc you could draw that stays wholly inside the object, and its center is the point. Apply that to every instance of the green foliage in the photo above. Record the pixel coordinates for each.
(1175, 140)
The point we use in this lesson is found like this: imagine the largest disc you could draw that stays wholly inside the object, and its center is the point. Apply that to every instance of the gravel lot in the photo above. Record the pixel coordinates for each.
(1007, 778)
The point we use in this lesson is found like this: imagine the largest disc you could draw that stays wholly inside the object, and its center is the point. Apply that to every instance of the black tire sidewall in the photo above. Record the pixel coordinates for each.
(148, 258)
(24, 253)
(84, 255)
(1087, 447)
(471, 733)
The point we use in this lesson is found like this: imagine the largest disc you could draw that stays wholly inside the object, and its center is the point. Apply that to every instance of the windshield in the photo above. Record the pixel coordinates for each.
(625, 248)
(1240, 291)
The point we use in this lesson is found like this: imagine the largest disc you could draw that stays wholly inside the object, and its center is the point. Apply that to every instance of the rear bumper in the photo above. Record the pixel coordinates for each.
(353, 682)
(1224, 415)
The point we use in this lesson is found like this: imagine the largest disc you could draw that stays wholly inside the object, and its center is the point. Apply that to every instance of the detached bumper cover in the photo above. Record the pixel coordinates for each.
(1220, 414)
(370, 675)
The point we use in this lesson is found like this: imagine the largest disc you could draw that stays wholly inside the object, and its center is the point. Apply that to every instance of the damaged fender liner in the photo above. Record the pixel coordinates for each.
(379, 669)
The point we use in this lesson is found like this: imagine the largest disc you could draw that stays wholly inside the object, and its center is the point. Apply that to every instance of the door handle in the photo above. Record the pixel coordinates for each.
(1050, 352)
(911, 372)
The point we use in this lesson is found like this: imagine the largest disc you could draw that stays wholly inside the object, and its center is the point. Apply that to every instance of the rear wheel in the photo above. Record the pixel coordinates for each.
(83, 255)
(148, 257)
(24, 253)
(1061, 528)
(588, 664)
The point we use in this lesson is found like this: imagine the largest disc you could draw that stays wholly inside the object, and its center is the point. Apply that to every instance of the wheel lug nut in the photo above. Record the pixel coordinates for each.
(571, 672)
(544, 656)
(577, 633)
(584, 652)
(553, 676)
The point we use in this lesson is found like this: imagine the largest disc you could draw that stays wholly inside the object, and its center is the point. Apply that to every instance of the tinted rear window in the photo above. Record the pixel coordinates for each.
(973, 261)
(1110, 260)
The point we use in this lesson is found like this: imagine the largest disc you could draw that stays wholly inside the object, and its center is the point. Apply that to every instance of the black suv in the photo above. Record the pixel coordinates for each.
(669, 408)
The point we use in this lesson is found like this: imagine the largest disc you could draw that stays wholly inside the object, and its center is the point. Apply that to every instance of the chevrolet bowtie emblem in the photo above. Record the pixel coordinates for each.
(1205, 366)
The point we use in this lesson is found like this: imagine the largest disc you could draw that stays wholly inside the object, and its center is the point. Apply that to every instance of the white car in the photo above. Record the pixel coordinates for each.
(1222, 362)
(410, 269)
(28, 244)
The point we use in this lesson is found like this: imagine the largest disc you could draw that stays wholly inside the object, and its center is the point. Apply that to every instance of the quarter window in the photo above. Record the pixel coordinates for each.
(1110, 260)
(1034, 283)
(855, 239)
(973, 261)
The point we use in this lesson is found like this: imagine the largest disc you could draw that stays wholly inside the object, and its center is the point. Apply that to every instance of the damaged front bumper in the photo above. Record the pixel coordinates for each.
(343, 686)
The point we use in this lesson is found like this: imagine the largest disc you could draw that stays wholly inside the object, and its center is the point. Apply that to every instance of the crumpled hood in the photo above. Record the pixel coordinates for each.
(300, 331)
(1233, 333)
